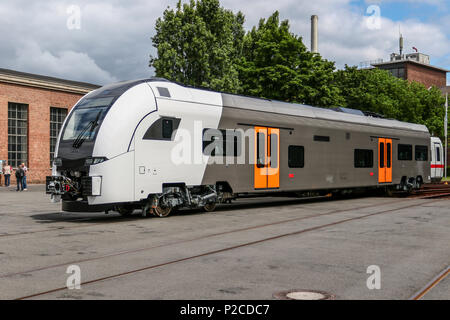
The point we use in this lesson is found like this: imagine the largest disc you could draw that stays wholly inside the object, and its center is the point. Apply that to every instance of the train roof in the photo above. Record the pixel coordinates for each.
(266, 105)
(301, 110)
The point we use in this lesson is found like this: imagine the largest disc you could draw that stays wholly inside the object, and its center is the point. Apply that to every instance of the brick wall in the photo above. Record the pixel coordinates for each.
(39, 102)
(425, 75)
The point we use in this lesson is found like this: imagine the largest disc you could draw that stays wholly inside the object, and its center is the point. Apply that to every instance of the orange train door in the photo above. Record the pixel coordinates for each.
(384, 160)
(267, 158)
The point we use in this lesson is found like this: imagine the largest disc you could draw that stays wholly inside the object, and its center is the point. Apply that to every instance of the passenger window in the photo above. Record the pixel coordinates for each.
(405, 152)
(296, 156)
(226, 142)
(261, 150)
(273, 150)
(382, 155)
(363, 158)
(162, 129)
(167, 129)
(388, 151)
(421, 153)
(438, 154)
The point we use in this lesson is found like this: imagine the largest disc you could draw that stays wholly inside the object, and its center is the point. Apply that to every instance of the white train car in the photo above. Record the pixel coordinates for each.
(437, 159)
(158, 145)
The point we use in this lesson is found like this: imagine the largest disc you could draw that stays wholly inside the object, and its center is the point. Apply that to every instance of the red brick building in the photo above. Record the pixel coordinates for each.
(415, 67)
(32, 109)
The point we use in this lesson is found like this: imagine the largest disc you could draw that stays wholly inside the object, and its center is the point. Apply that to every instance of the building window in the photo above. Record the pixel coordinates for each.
(363, 158)
(17, 134)
(296, 156)
(57, 116)
(421, 153)
(404, 152)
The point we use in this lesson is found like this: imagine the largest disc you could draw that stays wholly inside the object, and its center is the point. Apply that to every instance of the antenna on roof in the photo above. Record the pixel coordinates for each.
(400, 42)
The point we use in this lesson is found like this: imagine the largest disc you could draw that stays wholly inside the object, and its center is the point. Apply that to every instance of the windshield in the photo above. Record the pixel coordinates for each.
(86, 118)
(84, 123)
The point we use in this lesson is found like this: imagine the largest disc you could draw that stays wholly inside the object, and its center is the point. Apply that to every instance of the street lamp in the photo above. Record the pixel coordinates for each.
(445, 132)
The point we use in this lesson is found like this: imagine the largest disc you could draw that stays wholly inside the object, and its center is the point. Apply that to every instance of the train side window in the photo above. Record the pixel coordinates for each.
(260, 150)
(162, 129)
(322, 138)
(388, 156)
(363, 158)
(438, 154)
(421, 153)
(226, 142)
(167, 128)
(296, 156)
(404, 152)
(273, 150)
(213, 143)
(382, 155)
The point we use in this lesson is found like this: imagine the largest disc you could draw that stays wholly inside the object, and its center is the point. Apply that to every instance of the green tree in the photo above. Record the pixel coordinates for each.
(198, 44)
(275, 64)
(378, 91)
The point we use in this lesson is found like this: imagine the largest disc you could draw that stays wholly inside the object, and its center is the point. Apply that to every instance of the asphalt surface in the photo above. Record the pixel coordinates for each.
(251, 249)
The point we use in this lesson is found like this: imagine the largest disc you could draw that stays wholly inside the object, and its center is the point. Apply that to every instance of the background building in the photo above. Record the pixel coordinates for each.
(32, 109)
(415, 67)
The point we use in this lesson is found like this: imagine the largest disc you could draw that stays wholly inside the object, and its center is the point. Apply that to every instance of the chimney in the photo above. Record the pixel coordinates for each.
(314, 34)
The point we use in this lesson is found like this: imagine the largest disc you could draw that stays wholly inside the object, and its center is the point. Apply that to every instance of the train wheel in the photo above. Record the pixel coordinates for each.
(162, 211)
(209, 207)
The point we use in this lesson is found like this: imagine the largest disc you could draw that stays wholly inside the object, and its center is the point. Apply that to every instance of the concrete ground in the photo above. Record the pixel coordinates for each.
(251, 249)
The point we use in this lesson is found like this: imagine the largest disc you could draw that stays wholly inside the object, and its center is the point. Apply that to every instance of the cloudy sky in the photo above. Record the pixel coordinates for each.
(113, 39)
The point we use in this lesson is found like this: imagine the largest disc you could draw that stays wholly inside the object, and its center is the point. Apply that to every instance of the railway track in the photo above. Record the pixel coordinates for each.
(207, 253)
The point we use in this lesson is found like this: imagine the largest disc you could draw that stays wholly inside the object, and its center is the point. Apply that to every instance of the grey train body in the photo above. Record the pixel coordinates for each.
(328, 165)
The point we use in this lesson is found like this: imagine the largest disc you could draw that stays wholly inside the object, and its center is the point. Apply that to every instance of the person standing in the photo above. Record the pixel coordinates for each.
(25, 171)
(19, 178)
(7, 173)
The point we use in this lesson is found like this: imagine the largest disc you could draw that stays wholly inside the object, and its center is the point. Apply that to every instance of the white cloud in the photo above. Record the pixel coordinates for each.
(114, 40)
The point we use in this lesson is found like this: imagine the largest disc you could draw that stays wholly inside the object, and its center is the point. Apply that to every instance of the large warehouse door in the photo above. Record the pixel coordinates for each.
(267, 158)
(384, 160)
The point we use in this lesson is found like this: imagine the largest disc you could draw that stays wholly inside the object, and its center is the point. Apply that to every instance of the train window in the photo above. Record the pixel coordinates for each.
(167, 128)
(260, 150)
(404, 152)
(296, 156)
(382, 155)
(273, 150)
(363, 158)
(163, 92)
(388, 156)
(421, 153)
(322, 138)
(218, 142)
(162, 129)
(438, 154)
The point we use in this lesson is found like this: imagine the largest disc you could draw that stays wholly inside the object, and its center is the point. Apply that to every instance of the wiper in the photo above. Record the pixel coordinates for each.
(81, 136)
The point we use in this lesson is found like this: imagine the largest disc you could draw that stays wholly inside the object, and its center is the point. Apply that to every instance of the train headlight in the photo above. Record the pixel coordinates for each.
(94, 160)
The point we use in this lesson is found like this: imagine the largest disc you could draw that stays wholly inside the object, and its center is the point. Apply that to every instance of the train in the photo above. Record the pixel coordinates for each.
(156, 145)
